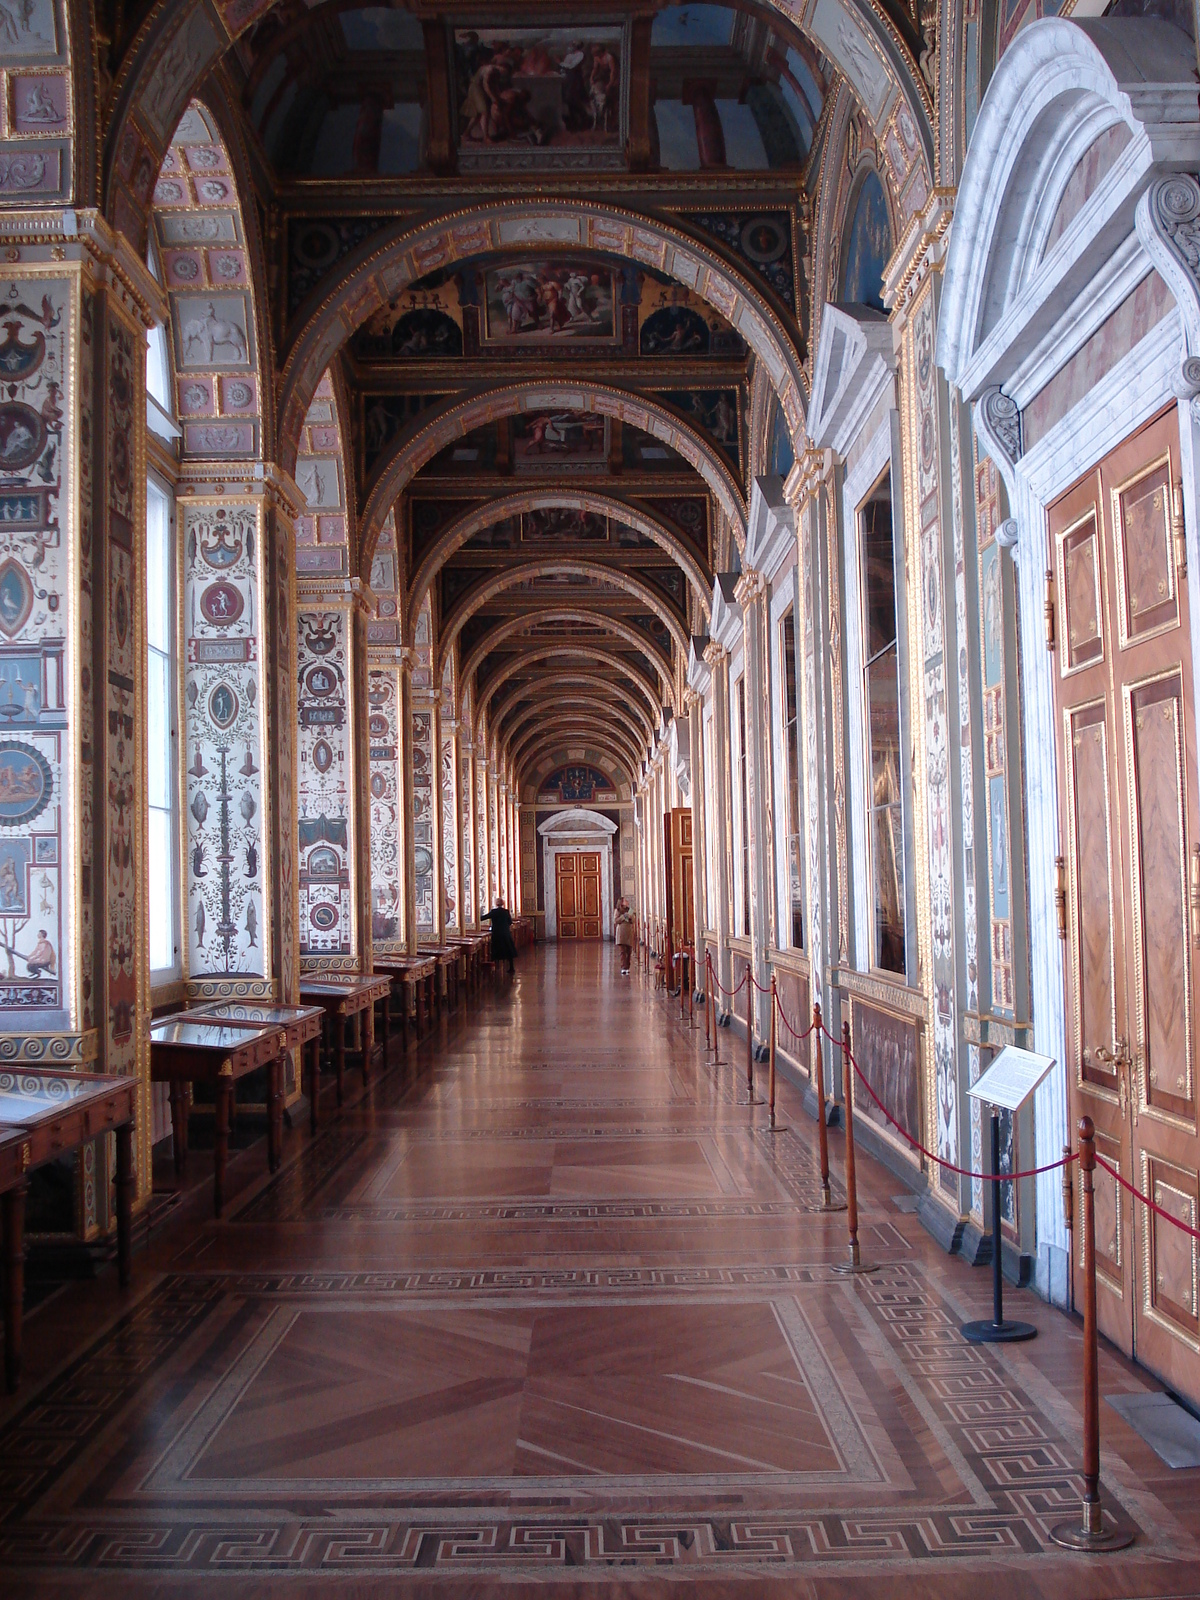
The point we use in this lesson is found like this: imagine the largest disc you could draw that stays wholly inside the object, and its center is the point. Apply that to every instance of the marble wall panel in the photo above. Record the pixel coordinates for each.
(224, 751)
(325, 783)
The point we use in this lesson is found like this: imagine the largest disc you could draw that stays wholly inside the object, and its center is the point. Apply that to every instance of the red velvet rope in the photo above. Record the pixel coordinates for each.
(732, 993)
(1145, 1198)
(963, 1172)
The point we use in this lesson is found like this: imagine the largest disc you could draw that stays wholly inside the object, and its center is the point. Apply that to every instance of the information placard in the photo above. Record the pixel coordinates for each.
(1011, 1078)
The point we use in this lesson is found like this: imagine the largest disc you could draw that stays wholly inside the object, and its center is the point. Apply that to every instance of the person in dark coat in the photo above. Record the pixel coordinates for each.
(503, 948)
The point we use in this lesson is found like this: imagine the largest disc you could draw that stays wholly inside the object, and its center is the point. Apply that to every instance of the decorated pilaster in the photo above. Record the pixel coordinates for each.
(933, 687)
(694, 705)
(717, 658)
(751, 595)
(389, 815)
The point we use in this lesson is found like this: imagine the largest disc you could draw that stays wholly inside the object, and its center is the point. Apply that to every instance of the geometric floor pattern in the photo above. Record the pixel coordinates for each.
(558, 1320)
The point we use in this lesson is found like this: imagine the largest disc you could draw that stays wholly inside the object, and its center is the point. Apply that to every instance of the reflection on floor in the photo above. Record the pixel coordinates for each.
(559, 1315)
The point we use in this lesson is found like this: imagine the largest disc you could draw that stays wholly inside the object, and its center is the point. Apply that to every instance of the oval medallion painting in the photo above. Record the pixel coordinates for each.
(22, 435)
(221, 604)
(222, 705)
(378, 785)
(324, 917)
(16, 597)
(322, 756)
(26, 783)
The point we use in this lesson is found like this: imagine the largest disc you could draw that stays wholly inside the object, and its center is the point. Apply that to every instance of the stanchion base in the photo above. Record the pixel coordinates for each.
(998, 1332)
(853, 1269)
(777, 1127)
(755, 1100)
(826, 1208)
(1074, 1536)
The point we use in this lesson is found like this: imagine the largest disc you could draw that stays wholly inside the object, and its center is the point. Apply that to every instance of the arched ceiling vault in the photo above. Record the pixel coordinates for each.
(479, 517)
(591, 657)
(577, 733)
(516, 576)
(542, 696)
(613, 631)
(435, 430)
(588, 704)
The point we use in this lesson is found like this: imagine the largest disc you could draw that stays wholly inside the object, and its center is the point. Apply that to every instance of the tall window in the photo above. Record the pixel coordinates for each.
(881, 671)
(743, 780)
(161, 734)
(787, 646)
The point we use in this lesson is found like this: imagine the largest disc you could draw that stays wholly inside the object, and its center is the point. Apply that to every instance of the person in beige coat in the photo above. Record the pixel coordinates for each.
(623, 924)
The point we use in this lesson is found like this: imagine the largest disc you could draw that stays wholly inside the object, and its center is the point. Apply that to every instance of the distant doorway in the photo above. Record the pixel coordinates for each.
(577, 892)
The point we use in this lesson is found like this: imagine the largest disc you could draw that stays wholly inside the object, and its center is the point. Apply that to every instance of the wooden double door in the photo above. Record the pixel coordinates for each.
(578, 898)
(1131, 842)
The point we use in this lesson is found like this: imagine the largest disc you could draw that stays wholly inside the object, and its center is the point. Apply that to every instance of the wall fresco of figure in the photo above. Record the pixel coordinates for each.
(423, 802)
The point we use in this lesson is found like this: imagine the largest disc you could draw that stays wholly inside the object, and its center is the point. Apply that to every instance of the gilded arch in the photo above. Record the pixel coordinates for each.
(513, 577)
(574, 732)
(569, 695)
(474, 521)
(434, 431)
(573, 614)
(588, 656)
(600, 690)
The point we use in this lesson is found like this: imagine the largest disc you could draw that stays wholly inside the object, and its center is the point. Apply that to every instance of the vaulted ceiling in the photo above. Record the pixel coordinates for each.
(561, 423)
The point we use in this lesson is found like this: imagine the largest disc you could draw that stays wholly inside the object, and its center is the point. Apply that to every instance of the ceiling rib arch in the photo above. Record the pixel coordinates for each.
(492, 587)
(480, 517)
(564, 649)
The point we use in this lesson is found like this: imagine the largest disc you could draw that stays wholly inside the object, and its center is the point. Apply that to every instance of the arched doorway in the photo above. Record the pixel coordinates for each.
(577, 857)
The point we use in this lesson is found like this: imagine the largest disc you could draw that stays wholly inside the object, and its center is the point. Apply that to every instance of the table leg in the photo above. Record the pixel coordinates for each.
(14, 1281)
(367, 1029)
(314, 1080)
(274, 1113)
(124, 1188)
(179, 1123)
(340, 1059)
(387, 1027)
(224, 1107)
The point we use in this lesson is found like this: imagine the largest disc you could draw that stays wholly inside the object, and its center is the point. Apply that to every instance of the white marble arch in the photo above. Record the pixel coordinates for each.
(569, 833)
(1034, 268)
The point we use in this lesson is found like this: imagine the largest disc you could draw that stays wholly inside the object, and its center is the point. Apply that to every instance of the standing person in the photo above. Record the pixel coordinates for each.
(503, 948)
(623, 923)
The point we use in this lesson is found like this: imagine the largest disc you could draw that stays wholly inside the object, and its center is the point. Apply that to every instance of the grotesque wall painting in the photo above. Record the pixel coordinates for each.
(223, 753)
(383, 731)
(540, 98)
(325, 782)
(423, 791)
(36, 620)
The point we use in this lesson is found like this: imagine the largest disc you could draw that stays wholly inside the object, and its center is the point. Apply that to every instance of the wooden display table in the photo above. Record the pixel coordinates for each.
(301, 1025)
(417, 976)
(185, 1048)
(446, 989)
(474, 947)
(43, 1114)
(342, 996)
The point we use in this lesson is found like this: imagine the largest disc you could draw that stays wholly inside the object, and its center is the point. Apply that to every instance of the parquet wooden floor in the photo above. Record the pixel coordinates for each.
(558, 1320)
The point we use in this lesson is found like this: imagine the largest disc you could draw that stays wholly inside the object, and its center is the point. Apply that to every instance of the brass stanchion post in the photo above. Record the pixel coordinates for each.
(827, 1201)
(854, 1262)
(1091, 1534)
(775, 1127)
(716, 1037)
(707, 1001)
(752, 1099)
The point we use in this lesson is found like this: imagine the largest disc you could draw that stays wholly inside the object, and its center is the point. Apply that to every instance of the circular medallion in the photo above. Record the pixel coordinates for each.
(22, 435)
(320, 681)
(316, 246)
(222, 705)
(377, 726)
(322, 756)
(185, 268)
(323, 917)
(221, 604)
(26, 783)
(238, 394)
(764, 240)
(424, 860)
